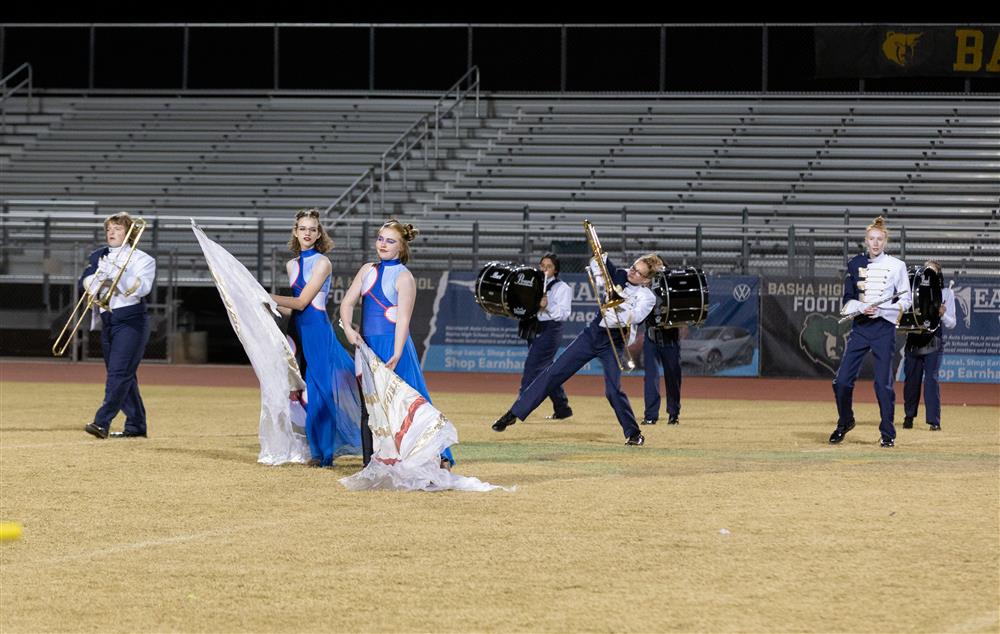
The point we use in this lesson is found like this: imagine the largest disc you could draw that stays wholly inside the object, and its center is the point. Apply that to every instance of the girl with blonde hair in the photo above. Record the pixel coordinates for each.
(877, 288)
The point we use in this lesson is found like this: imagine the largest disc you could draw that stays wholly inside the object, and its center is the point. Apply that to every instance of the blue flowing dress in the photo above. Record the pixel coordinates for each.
(333, 407)
(379, 305)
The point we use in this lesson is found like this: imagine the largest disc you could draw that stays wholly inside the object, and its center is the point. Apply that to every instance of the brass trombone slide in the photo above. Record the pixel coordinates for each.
(614, 296)
(95, 294)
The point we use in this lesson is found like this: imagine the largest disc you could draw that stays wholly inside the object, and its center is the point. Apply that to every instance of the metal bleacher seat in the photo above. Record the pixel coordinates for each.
(923, 161)
(738, 165)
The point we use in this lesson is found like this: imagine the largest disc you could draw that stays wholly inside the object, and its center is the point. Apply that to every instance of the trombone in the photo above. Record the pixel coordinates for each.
(99, 292)
(614, 296)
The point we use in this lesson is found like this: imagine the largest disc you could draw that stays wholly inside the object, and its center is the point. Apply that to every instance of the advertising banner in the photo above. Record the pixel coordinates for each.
(972, 348)
(801, 336)
(908, 51)
(727, 344)
(464, 338)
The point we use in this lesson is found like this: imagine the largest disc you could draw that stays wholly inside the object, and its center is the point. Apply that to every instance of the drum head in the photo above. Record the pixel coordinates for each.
(489, 287)
(924, 314)
(523, 293)
(682, 297)
(510, 290)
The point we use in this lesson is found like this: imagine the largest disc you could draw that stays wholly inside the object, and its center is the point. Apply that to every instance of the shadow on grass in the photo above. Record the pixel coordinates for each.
(579, 451)
(44, 429)
(227, 455)
(821, 438)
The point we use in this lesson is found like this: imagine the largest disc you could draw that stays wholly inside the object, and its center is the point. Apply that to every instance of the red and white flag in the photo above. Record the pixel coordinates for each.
(408, 435)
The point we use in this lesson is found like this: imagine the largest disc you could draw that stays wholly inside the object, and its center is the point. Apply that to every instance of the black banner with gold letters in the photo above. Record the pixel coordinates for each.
(908, 51)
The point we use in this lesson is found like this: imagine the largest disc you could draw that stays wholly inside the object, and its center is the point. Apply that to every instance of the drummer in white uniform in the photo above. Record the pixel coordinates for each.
(544, 333)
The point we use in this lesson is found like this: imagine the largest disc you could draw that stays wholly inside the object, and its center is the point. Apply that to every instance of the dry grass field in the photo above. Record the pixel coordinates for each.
(740, 519)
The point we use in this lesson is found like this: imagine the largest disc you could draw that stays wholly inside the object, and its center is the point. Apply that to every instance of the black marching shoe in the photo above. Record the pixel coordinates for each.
(637, 441)
(838, 434)
(908, 422)
(648, 422)
(560, 415)
(504, 421)
(935, 427)
(127, 434)
(674, 420)
(94, 430)
(885, 441)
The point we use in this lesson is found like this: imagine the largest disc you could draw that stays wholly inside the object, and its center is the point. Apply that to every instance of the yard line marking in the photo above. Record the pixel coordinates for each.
(118, 442)
(153, 543)
(986, 622)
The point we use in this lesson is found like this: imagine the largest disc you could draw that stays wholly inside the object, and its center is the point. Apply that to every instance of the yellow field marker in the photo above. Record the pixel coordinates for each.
(9, 531)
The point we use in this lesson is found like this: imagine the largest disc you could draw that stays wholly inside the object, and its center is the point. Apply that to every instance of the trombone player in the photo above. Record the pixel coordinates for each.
(117, 280)
(611, 331)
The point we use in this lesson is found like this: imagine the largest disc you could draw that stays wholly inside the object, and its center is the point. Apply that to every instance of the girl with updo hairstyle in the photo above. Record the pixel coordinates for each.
(407, 233)
(388, 291)
(878, 225)
(876, 291)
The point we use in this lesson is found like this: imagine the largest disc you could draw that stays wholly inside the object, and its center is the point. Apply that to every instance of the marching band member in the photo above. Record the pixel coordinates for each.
(878, 289)
(594, 342)
(661, 346)
(922, 361)
(544, 333)
(124, 326)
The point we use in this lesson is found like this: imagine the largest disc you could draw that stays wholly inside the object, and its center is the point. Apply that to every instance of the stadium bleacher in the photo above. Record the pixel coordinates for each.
(715, 180)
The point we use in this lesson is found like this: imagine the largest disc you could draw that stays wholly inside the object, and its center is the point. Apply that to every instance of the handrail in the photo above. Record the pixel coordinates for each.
(385, 165)
(827, 230)
(734, 243)
(437, 105)
(11, 92)
(769, 222)
(14, 72)
(368, 173)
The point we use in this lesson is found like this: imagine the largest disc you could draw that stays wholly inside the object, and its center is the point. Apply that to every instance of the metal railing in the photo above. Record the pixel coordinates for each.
(772, 44)
(740, 243)
(363, 187)
(10, 92)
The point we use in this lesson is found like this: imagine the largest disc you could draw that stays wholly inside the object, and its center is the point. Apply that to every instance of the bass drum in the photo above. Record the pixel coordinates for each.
(681, 297)
(926, 287)
(510, 290)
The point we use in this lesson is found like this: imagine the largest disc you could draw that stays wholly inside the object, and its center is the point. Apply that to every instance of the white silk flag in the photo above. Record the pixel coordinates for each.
(251, 313)
(408, 436)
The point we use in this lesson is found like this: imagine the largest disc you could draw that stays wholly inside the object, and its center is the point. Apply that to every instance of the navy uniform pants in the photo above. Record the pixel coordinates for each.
(123, 340)
(922, 369)
(541, 350)
(667, 355)
(878, 336)
(592, 343)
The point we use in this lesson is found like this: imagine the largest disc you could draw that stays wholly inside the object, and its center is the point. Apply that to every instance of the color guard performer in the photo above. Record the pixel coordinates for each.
(387, 291)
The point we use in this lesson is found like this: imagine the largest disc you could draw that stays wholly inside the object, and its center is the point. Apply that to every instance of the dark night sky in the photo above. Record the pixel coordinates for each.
(600, 59)
(485, 11)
